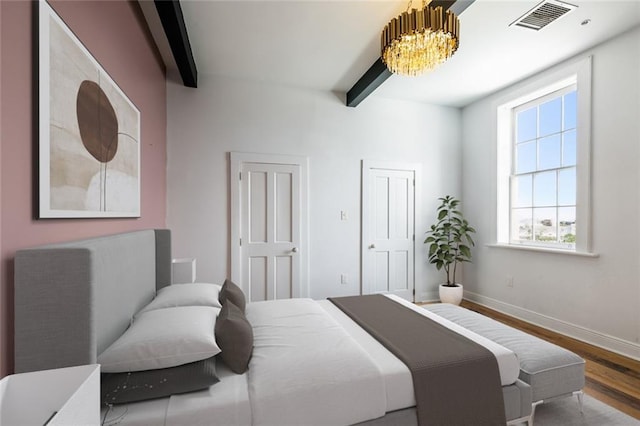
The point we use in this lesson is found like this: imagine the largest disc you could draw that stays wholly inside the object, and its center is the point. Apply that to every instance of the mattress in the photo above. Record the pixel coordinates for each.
(229, 401)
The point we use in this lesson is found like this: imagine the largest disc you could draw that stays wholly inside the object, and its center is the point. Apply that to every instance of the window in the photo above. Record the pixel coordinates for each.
(543, 164)
(543, 171)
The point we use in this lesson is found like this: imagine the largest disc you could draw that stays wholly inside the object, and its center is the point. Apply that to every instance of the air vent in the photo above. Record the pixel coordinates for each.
(543, 14)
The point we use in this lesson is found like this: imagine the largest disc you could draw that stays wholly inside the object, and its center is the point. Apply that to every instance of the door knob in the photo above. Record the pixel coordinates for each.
(372, 246)
(294, 250)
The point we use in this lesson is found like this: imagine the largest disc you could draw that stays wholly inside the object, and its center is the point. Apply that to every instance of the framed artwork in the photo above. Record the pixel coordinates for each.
(89, 131)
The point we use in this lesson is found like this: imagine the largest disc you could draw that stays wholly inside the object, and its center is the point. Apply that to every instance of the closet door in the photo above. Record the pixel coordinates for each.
(271, 251)
(388, 228)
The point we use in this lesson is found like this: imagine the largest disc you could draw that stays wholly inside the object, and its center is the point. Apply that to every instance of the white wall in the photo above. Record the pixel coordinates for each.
(225, 115)
(595, 299)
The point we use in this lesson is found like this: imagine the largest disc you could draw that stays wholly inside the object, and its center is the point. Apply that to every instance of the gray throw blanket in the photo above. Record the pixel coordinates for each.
(456, 381)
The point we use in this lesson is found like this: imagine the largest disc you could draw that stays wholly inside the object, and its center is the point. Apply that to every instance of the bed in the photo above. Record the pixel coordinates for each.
(73, 300)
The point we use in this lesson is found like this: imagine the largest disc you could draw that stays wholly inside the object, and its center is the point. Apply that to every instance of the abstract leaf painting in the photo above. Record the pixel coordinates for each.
(89, 135)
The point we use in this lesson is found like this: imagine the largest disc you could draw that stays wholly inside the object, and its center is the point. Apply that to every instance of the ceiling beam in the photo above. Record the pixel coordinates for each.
(170, 14)
(370, 81)
(378, 72)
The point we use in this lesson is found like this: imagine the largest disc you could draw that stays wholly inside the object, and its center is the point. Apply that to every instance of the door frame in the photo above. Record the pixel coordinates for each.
(236, 161)
(367, 165)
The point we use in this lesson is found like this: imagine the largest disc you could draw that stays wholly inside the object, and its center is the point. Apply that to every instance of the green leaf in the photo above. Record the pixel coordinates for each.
(465, 251)
(442, 214)
(470, 240)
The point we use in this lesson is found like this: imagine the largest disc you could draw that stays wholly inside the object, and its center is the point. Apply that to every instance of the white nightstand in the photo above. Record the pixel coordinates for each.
(64, 396)
(183, 270)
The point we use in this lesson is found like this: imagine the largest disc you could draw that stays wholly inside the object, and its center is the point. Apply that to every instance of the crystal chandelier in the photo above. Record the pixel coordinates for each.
(419, 40)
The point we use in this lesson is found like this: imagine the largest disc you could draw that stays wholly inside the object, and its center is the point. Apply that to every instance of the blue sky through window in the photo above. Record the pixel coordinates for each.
(527, 124)
(550, 117)
(569, 148)
(570, 110)
(549, 152)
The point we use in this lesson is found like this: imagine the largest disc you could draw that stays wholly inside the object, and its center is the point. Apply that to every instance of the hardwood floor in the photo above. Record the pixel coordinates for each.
(611, 378)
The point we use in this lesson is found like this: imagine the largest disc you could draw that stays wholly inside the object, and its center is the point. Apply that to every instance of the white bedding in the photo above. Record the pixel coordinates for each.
(397, 377)
(223, 404)
(303, 357)
(311, 355)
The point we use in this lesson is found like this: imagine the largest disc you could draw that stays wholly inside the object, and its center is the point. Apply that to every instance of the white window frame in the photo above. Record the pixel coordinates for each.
(578, 73)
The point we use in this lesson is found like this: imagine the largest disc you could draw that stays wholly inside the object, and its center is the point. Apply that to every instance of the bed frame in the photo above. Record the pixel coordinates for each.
(72, 300)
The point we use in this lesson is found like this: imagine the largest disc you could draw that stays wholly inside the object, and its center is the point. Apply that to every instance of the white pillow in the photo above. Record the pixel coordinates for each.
(163, 338)
(191, 294)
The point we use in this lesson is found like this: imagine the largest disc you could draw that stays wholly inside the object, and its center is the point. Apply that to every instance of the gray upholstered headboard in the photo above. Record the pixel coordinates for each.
(72, 300)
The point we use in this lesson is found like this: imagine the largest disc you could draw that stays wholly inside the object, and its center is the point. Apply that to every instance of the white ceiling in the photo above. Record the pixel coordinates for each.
(328, 45)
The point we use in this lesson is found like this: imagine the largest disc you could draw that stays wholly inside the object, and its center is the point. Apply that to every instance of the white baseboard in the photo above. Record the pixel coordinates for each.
(428, 296)
(605, 341)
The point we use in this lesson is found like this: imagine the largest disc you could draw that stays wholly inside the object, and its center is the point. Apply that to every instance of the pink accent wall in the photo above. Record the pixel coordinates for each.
(117, 36)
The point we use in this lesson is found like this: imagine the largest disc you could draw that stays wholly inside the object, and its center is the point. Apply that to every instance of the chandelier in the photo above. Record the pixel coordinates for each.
(419, 40)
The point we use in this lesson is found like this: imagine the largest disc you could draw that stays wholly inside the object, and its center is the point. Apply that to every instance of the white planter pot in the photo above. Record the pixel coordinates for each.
(451, 295)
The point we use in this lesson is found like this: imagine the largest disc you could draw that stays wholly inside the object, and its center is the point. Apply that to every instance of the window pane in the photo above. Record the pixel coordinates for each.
(570, 110)
(549, 152)
(521, 224)
(526, 124)
(569, 148)
(544, 189)
(523, 191)
(567, 224)
(550, 117)
(567, 187)
(526, 157)
(545, 225)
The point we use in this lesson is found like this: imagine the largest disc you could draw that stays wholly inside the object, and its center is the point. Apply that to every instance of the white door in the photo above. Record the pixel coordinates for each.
(388, 228)
(270, 253)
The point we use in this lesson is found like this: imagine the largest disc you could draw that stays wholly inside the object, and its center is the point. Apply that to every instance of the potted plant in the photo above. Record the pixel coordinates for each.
(450, 243)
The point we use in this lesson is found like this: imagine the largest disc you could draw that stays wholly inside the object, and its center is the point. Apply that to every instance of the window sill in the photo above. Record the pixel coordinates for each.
(542, 250)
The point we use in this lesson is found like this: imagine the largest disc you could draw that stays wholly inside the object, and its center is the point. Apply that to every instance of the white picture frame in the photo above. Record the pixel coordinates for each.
(89, 131)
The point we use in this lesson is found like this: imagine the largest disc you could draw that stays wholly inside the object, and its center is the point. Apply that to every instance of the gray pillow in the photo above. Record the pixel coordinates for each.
(232, 292)
(234, 336)
(120, 388)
